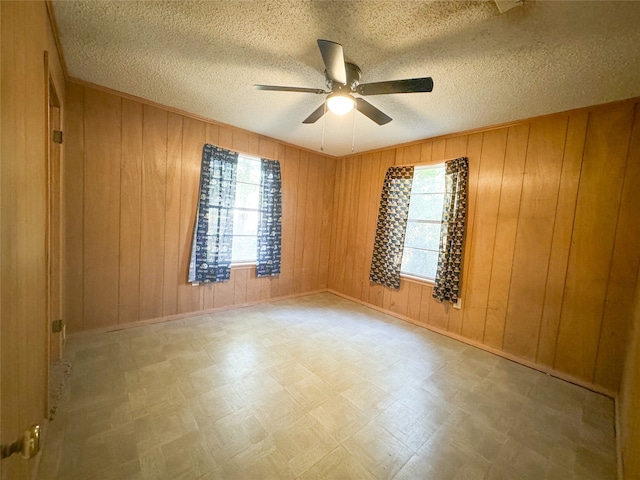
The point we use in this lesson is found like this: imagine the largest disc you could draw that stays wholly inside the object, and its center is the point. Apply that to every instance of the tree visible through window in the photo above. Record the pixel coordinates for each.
(422, 240)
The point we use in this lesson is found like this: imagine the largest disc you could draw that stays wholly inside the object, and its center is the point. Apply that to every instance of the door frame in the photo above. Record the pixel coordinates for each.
(54, 225)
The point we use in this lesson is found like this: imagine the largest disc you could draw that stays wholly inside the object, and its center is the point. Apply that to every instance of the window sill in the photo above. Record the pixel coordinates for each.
(243, 265)
(419, 280)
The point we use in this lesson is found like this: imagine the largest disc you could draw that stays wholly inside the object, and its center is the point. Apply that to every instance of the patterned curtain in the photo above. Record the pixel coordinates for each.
(213, 233)
(454, 213)
(391, 227)
(270, 224)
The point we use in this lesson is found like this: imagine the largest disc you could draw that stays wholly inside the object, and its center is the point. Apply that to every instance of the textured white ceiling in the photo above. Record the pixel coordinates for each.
(487, 67)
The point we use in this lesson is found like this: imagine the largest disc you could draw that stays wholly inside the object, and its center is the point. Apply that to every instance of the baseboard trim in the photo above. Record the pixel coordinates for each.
(500, 353)
(197, 313)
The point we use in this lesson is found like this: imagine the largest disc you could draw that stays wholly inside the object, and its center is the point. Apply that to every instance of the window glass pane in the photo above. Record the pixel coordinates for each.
(245, 222)
(422, 263)
(426, 206)
(248, 170)
(428, 180)
(244, 249)
(423, 235)
(247, 196)
(420, 255)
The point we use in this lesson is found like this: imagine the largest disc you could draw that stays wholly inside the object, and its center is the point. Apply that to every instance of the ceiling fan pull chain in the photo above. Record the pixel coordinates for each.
(353, 138)
(324, 120)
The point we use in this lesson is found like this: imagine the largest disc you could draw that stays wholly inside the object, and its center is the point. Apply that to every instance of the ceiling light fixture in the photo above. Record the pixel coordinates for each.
(340, 104)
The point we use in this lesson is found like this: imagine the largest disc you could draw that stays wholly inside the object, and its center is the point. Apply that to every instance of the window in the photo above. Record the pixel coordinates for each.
(238, 216)
(246, 210)
(422, 239)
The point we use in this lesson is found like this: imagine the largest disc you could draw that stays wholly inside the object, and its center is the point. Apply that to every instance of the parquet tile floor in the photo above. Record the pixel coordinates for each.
(312, 388)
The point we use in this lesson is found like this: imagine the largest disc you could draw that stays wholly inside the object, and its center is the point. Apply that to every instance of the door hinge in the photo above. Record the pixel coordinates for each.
(28, 446)
(56, 326)
(57, 136)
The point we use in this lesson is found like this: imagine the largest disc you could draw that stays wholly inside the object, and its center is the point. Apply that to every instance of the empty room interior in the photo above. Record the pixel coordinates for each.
(209, 270)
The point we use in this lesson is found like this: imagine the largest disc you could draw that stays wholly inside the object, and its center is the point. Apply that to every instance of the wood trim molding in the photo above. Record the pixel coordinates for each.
(498, 126)
(56, 38)
(184, 113)
(179, 316)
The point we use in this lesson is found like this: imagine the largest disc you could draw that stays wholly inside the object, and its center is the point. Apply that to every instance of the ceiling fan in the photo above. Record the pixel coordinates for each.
(343, 80)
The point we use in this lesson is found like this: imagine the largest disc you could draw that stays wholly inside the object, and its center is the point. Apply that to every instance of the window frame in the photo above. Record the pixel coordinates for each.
(412, 276)
(254, 261)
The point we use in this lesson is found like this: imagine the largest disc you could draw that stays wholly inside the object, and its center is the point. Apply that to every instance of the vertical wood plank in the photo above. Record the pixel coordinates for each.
(456, 147)
(437, 150)
(130, 202)
(328, 220)
(310, 250)
(32, 254)
(336, 215)
(101, 208)
(482, 244)
(562, 231)
(267, 148)
(73, 177)
(366, 202)
(372, 162)
(225, 137)
(240, 141)
(253, 286)
(224, 295)
(414, 301)
(399, 299)
(426, 151)
(190, 298)
(608, 134)
(240, 286)
(534, 235)
(618, 308)
(344, 206)
(172, 215)
(505, 240)
(474, 152)
(352, 225)
(360, 267)
(289, 216)
(425, 303)
(154, 184)
(301, 206)
(254, 145)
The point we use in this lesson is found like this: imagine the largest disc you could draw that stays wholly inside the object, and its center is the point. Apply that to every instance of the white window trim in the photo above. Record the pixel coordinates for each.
(412, 276)
(247, 263)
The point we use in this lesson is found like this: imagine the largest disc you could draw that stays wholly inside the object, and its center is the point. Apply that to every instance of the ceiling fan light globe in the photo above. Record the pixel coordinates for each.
(340, 104)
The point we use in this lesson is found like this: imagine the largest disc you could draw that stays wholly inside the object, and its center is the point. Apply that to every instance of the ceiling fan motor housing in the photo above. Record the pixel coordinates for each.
(353, 79)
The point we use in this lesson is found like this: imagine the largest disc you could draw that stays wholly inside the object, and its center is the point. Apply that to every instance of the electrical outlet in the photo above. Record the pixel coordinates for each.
(458, 304)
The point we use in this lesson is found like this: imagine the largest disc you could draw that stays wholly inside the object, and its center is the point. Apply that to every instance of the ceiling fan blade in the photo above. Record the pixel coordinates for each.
(289, 89)
(372, 112)
(333, 58)
(396, 86)
(315, 116)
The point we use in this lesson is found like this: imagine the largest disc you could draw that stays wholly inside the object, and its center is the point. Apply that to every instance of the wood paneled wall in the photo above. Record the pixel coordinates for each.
(629, 403)
(25, 36)
(131, 185)
(551, 251)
